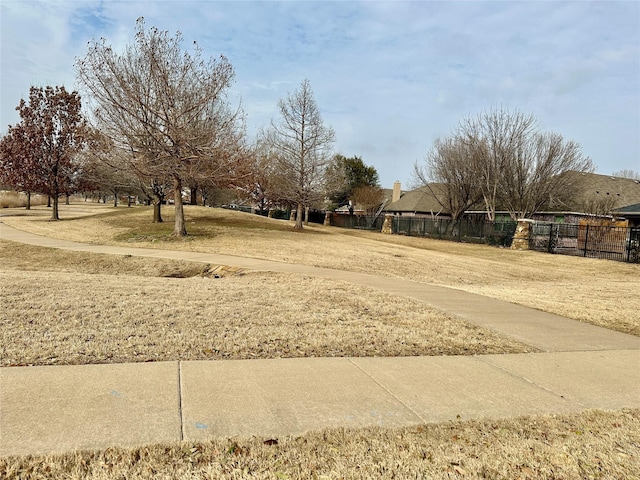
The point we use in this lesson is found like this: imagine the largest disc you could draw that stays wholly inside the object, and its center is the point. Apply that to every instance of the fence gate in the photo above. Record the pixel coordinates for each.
(594, 241)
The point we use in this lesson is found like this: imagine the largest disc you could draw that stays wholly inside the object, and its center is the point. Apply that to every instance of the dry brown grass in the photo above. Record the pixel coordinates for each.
(590, 445)
(70, 307)
(27, 258)
(129, 313)
(601, 292)
(9, 199)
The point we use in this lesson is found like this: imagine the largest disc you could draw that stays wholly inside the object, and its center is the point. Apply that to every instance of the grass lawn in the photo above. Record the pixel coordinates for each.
(590, 445)
(143, 309)
(601, 292)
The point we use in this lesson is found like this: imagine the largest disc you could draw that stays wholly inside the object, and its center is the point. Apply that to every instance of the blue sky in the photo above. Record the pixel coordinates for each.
(389, 77)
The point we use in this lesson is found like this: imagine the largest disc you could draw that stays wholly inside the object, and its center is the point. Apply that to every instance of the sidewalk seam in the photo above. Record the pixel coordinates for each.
(525, 379)
(386, 390)
(180, 412)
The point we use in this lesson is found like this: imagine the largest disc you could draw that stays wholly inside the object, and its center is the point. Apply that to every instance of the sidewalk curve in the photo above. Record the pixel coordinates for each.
(61, 408)
(542, 330)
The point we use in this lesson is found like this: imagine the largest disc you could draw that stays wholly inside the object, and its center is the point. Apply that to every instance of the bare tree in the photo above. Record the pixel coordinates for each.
(627, 173)
(108, 169)
(369, 198)
(503, 155)
(496, 140)
(259, 184)
(167, 106)
(601, 206)
(535, 174)
(302, 149)
(449, 172)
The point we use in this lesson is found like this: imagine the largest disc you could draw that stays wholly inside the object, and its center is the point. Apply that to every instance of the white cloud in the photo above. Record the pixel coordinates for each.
(388, 76)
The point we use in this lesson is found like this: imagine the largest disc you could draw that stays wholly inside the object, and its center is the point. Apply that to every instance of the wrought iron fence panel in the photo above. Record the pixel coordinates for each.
(456, 230)
(593, 241)
(633, 245)
(363, 222)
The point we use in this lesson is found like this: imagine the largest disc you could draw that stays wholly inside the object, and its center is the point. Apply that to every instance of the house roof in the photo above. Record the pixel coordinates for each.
(619, 192)
(387, 194)
(593, 186)
(420, 200)
(628, 210)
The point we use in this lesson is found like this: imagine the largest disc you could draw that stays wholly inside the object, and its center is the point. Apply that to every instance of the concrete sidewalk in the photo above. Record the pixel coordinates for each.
(60, 408)
(57, 409)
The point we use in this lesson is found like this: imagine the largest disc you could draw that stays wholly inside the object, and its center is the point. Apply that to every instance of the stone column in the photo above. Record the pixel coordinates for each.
(387, 226)
(522, 235)
(327, 219)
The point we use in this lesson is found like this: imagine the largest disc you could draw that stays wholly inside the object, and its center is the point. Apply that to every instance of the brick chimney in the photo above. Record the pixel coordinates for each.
(397, 191)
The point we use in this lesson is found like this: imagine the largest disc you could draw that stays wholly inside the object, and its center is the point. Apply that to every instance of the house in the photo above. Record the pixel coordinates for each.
(631, 213)
(356, 209)
(421, 202)
(594, 195)
(595, 191)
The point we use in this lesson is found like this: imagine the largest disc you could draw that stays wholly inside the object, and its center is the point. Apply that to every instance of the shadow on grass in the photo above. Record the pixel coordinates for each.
(199, 224)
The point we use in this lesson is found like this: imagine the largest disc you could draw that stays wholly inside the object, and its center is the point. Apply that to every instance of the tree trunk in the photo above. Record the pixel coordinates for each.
(179, 229)
(306, 215)
(49, 201)
(298, 225)
(54, 210)
(66, 201)
(194, 195)
(157, 209)
(28, 200)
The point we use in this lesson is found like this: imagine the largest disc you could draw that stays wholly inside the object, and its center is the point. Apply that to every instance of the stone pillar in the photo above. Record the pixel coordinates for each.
(522, 235)
(327, 219)
(387, 226)
(292, 217)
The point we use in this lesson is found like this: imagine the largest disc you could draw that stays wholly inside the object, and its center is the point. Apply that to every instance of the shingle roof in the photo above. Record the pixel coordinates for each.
(420, 200)
(592, 186)
(629, 209)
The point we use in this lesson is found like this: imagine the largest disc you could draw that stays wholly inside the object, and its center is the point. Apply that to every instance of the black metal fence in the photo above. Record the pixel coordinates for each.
(362, 222)
(594, 241)
(464, 230)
